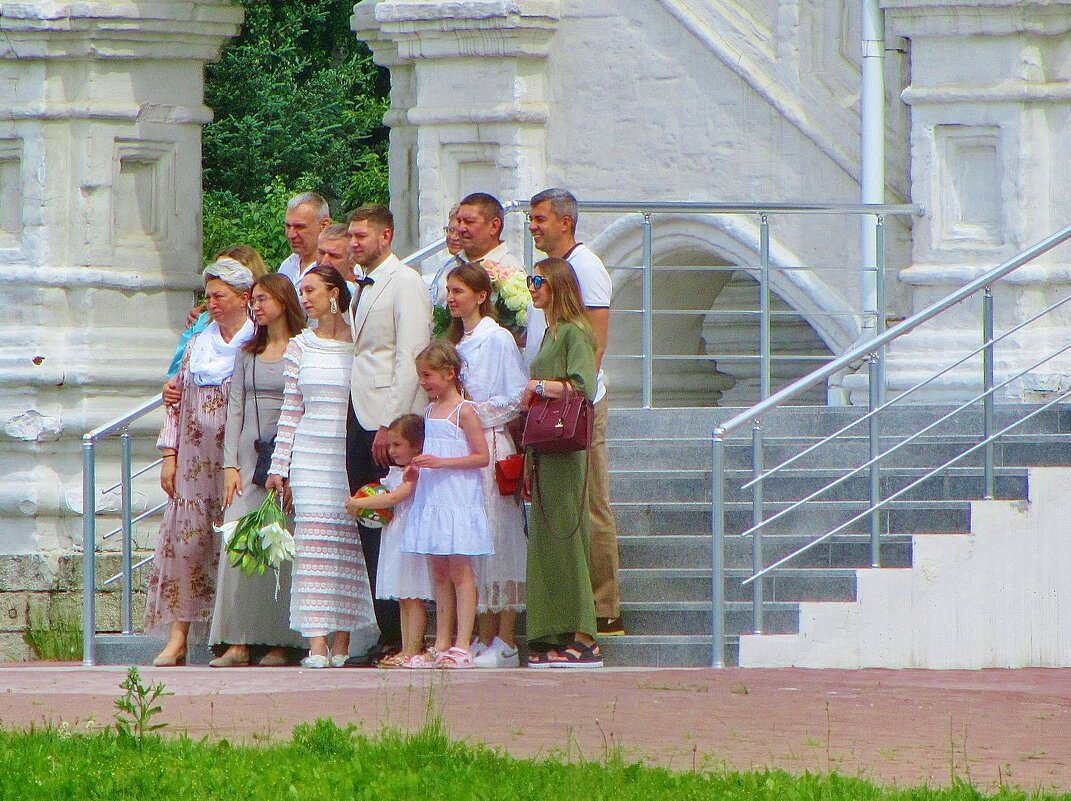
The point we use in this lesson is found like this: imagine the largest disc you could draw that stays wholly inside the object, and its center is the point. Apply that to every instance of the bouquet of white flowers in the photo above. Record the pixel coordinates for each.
(259, 540)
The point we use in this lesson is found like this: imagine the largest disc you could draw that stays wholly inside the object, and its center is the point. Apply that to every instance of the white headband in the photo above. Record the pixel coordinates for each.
(231, 272)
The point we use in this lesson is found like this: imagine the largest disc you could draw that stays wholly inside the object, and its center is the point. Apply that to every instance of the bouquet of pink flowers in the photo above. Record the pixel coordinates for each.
(509, 295)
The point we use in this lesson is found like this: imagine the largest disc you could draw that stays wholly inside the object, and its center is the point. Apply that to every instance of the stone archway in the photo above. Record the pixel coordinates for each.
(697, 259)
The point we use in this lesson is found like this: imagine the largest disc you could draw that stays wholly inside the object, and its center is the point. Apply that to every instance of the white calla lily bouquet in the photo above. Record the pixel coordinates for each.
(259, 540)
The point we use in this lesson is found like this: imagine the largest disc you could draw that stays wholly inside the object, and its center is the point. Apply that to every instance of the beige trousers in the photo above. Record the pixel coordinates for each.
(603, 556)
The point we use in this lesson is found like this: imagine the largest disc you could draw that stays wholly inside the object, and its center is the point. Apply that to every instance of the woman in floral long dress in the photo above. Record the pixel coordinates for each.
(182, 584)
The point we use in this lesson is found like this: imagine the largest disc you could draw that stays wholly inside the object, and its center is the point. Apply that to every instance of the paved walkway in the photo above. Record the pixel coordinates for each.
(905, 727)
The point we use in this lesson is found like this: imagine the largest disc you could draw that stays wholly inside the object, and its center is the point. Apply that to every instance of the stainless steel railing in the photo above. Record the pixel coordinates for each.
(873, 465)
(121, 426)
(762, 269)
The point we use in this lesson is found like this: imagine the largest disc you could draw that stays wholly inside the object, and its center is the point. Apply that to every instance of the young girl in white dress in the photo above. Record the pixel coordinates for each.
(405, 577)
(447, 521)
(494, 376)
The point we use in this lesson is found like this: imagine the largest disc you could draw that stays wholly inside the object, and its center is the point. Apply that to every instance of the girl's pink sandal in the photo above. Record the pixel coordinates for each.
(454, 659)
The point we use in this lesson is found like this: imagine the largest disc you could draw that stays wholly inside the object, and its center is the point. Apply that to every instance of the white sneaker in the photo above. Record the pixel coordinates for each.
(498, 655)
(477, 647)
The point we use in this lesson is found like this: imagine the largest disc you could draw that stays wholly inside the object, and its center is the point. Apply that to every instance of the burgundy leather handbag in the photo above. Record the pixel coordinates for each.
(559, 425)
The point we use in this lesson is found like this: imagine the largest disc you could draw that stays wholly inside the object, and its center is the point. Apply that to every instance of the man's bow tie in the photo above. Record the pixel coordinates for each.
(365, 281)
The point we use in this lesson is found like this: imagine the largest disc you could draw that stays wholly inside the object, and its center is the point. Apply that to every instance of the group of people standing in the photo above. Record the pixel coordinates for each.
(331, 359)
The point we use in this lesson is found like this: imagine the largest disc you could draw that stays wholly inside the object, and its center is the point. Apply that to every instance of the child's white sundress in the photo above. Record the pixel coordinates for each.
(447, 517)
(400, 575)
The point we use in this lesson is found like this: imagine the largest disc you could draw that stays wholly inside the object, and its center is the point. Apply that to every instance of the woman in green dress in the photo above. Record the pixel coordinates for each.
(561, 607)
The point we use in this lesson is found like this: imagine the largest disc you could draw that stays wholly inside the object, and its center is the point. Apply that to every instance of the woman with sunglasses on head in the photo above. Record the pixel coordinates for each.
(254, 610)
(561, 606)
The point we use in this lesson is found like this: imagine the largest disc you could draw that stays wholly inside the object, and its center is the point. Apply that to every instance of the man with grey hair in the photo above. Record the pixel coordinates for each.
(552, 222)
(307, 215)
(333, 250)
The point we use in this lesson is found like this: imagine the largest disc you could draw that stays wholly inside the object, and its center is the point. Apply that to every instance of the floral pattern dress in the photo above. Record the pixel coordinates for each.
(182, 583)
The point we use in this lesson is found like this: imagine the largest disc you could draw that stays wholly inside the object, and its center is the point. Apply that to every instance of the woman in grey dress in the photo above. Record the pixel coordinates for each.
(247, 611)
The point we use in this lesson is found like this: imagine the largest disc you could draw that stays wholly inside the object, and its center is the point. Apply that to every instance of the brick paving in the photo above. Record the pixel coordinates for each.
(906, 727)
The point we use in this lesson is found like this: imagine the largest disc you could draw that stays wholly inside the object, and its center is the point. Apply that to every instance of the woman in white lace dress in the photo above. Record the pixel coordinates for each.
(330, 596)
(494, 377)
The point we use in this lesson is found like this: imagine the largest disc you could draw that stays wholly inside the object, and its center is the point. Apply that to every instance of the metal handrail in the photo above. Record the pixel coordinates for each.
(120, 425)
(871, 352)
(886, 501)
(905, 326)
(701, 207)
(899, 398)
(764, 268)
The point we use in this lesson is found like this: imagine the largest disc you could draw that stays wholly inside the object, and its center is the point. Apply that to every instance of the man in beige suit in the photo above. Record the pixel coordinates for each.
(391, 314)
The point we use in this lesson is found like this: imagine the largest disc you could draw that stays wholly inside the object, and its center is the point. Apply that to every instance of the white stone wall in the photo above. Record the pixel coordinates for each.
(997, 597)
(989, 103)
(656, 100)
(101, 108)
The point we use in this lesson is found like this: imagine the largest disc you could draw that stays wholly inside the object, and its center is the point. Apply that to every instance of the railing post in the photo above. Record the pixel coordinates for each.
(874, 434)
(987, 385)
(89, 548)
(717, 550)
(529, 244)
(757, 466)
(648, 314)
(879, 301)
(127, 611)
(764, 308)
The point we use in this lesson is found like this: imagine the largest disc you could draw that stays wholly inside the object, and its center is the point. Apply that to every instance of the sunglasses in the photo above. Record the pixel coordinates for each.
(536, 281)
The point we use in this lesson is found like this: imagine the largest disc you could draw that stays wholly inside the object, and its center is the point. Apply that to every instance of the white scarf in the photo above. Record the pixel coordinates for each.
(212, 359)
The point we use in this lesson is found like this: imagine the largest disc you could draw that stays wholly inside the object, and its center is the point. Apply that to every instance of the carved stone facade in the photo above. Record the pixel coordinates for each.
(989, 98)
(708, 100)
(101, 108)
(652, 100)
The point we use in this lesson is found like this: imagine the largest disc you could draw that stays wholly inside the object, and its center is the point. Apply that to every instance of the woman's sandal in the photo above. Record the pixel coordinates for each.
(537, 660)
(454, 659)
(392, 661)
(576, 655)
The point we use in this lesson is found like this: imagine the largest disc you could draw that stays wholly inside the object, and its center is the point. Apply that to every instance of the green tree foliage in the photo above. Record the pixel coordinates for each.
(298, 106)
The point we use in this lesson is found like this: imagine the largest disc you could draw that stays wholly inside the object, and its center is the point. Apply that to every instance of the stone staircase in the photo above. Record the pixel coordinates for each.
(660, 464)
(660, 475)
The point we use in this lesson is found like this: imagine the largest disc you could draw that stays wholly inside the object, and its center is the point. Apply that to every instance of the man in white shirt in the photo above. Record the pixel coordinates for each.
(479, 226)
(552, 221)
(391, 317)
(307, 215)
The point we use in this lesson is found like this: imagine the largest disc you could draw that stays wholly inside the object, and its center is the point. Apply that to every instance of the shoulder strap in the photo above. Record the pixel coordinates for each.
(256, 405)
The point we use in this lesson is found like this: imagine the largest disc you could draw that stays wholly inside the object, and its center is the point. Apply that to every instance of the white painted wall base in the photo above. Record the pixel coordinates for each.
(997, 597)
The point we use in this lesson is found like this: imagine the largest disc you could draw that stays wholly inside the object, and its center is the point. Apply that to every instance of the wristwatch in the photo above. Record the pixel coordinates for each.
(541, 388)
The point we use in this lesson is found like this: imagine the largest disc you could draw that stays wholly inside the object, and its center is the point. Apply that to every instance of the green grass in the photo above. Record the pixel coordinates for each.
(54, 637)
(326, 762)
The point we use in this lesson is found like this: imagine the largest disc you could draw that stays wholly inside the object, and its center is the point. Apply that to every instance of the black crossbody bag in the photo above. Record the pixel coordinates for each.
(264, 447)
